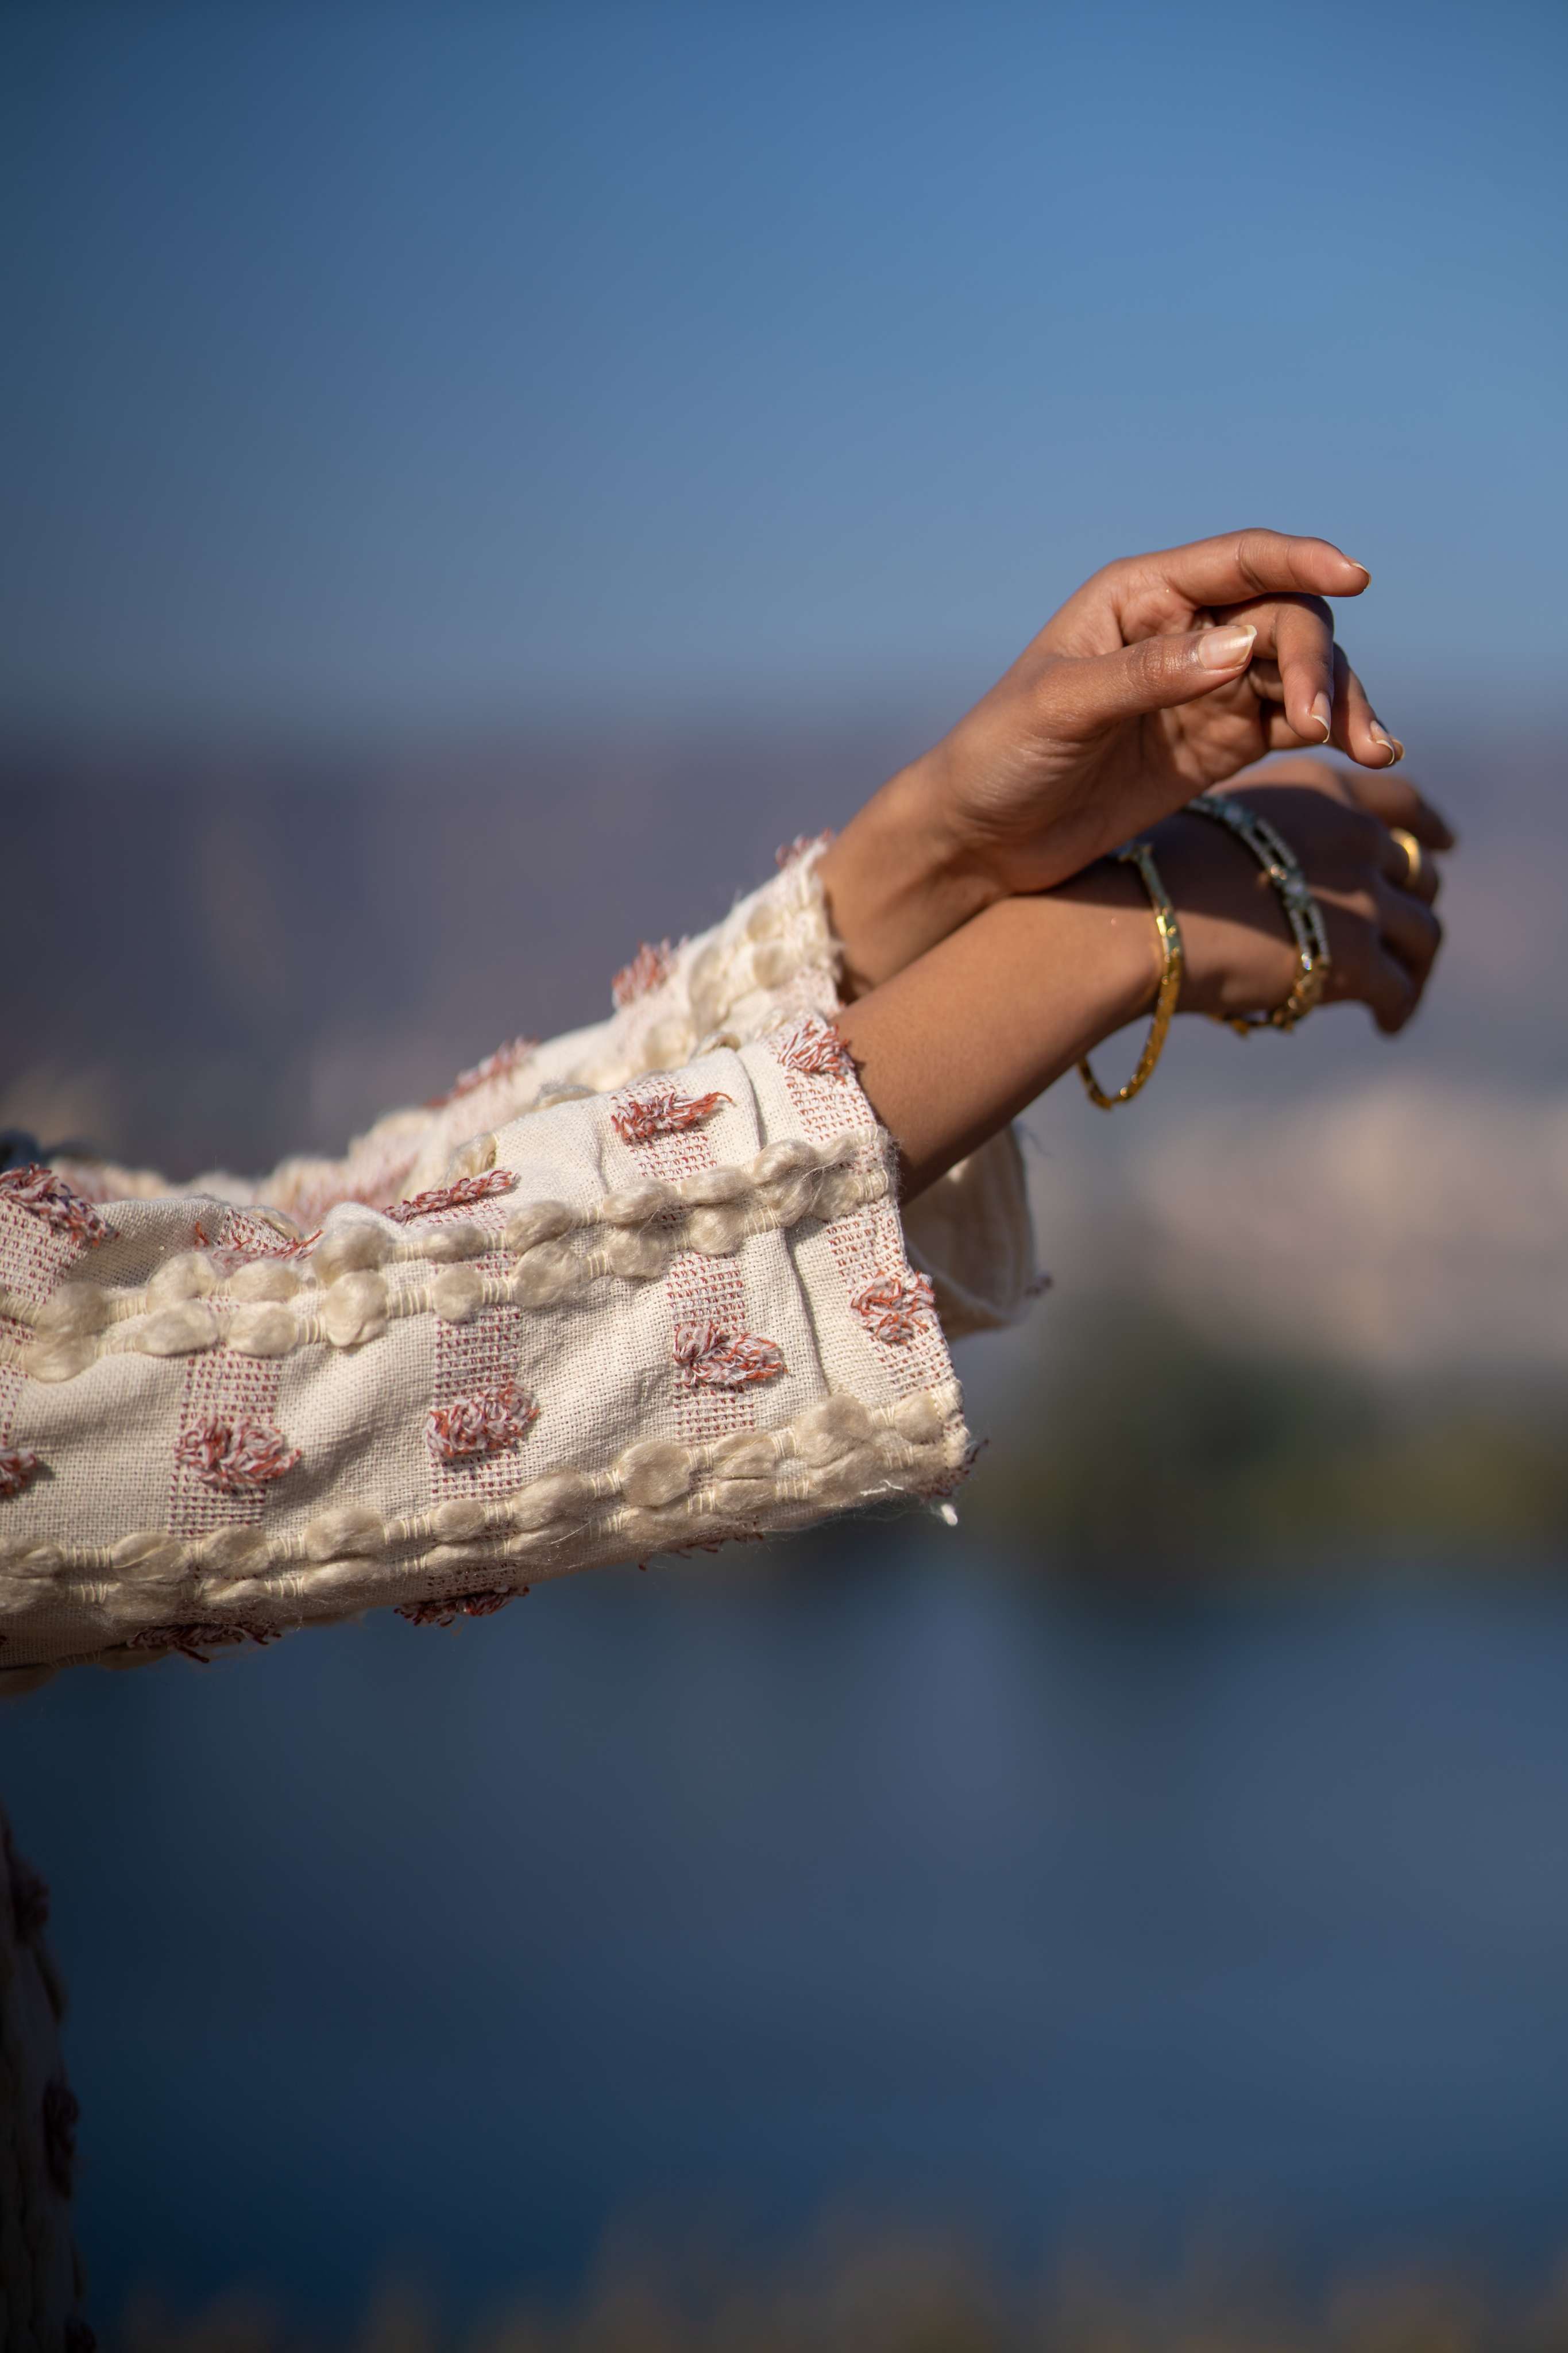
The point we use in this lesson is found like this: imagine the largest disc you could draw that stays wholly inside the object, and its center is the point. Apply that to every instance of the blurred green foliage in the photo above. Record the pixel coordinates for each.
(1144, 1444)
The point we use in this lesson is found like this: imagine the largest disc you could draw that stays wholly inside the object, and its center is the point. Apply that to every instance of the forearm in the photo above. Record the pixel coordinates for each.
(953, 1046)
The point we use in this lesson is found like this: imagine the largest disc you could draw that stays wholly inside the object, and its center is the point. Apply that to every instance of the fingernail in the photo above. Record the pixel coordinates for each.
(1227, 649)
(1380, 734)
(1323, 713)
(1360, 567)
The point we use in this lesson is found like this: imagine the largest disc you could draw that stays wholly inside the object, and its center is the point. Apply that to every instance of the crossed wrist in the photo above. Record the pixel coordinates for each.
(900, 878)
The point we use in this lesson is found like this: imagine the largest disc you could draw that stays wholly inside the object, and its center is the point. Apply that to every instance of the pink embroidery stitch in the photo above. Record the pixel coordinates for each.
(461, 1195)
(44, 1195)
(18, 1468)
(639, 1119)
(485, 1423)
(234, 1457)
(499, 1065)
(814, 1048)
(790, 853)
(648, 970)
(712, 1359)
(892, 1310)
(446, 1612)
(195, 1640)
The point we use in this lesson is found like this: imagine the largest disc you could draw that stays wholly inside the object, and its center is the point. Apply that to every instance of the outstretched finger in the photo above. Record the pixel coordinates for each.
(1255, 562)
(1357, 730)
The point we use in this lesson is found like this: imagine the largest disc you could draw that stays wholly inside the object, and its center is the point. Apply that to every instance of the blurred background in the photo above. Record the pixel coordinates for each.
(478, 479)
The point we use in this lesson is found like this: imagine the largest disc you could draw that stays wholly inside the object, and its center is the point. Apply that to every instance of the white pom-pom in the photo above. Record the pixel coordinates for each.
(547, 1274)
(789, 1199)
(705, 985)
(150, 1553)
(838, 1192)
(355, 1310)
(352, 1249)
(472, 1158)
(827, 1431)
(353, 1532)
(772, 963)
(232, 1551)
(540, 1221)
(75, 1308)
(765, 921)
(746, 1454)
(181, 1331)
(638, 1258)
(716, 1232)
(446, 1244)
(458, 1522)
(188, 1275)
(919, 1419)
(264, 1330)
(263, 1277)
(740, 1499)
(784, 1158)
(58, 1360)
(559, 1495)
(458, 1295)
(669, 1044)
(635, 1207)
(653, 1473)
(706, 1187)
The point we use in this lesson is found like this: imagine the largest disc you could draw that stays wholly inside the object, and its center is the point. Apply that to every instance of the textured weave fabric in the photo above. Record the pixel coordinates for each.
(643, 1287)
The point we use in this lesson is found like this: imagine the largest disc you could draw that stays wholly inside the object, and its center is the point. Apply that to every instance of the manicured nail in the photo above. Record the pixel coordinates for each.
(1380, 734)
(1323, 713)
(1360, 567)
(1229, 648)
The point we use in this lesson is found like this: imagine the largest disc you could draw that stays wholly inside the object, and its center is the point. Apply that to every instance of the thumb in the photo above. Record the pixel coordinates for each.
(1153, 675)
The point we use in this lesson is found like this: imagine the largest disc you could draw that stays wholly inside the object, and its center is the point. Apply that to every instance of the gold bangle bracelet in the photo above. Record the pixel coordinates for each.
(1139, 854)
(1302, 913)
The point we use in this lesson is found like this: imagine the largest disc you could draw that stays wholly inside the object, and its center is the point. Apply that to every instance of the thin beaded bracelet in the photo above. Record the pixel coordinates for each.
(1302, 913)
(1139, 854)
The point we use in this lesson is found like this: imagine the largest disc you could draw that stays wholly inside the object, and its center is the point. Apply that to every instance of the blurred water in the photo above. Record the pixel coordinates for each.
(875, 1871)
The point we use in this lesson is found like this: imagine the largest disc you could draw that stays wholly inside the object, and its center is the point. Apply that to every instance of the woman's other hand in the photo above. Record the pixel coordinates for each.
(1377, 905)
(1163, 675)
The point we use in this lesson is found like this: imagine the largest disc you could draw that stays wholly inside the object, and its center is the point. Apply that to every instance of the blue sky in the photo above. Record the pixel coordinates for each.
(432, 363)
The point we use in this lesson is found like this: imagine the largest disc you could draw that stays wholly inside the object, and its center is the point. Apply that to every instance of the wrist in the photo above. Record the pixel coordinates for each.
(900, 877)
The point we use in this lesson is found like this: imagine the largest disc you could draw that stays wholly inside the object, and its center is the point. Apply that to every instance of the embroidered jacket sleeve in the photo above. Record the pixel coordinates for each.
(774, 957)
(672, 1312)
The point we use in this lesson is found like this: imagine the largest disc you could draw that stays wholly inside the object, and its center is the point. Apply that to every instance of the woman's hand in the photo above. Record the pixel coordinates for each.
(1238, 954)
(960, 1041)
(1163, 675)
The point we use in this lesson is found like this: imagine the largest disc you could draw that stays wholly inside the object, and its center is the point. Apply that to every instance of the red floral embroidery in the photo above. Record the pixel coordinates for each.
(18, 1468)
(234, 1457)
(710, 1357)
(44, 1195)
(446, 1612)
(499, 1065)
(894, 1310)
(814, 1048)
(790, 853)
(648, 970)
(639, 1119)
(484, 1423)
(460, 1194)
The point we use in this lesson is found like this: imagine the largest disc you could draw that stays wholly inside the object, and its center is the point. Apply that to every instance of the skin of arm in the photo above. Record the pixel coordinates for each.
(958, 1043)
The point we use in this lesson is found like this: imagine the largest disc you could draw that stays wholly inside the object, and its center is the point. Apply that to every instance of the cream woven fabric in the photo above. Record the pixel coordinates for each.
(640, 1289)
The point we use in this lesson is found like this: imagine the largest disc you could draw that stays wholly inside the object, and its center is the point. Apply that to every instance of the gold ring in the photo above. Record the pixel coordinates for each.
(1412, 849)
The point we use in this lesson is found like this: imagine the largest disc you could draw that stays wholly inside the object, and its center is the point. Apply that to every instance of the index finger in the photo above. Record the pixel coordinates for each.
(1241, 563)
